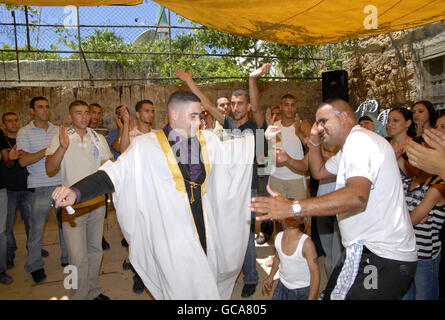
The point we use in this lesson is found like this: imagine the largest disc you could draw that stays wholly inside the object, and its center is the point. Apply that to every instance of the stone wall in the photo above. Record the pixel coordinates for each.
(391, 71)
(17, 99)
(65, 70)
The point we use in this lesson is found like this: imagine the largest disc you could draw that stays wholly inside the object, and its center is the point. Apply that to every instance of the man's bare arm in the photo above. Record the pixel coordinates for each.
(254, 94)
(29, 158)
(207, 104)
(346, 202)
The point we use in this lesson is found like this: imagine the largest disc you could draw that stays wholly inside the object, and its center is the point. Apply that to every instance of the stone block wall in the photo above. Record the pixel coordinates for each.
(308, 95)
(391, 70)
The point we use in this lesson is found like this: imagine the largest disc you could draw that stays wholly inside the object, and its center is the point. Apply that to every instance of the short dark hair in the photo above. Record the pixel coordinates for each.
(8, 114)
(95, 105)
(76, 103)
(181, 97)
(241, 92)
(408, 115)
(140, 103)
(363, 118)
(288, 96)
(431, 111)
(221, 97)
(33, 101)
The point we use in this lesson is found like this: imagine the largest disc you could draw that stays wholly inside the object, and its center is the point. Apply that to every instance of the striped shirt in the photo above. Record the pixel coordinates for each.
(31, 140)
(427, 234)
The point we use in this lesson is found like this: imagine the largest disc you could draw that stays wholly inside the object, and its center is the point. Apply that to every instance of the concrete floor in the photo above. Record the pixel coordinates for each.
(116, 283)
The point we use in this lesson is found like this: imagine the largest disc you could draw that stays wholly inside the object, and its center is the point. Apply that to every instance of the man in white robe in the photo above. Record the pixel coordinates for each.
(153, 202)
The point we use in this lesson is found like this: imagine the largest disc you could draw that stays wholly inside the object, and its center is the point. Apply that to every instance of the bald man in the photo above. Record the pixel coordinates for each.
(369, 203)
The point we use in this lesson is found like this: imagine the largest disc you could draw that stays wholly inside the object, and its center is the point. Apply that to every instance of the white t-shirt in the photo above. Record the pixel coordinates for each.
(81, 159)
(292, 145)
(385, 225)
(294, 270)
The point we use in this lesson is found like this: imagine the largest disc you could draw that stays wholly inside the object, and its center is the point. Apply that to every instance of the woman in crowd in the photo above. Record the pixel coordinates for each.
(425, 197)
(425, 116)
(400, 128)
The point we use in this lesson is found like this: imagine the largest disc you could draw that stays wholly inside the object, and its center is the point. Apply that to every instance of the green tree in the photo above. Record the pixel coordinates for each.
(11, 55)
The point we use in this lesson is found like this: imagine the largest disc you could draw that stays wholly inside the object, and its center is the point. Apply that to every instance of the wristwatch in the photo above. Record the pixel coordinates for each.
(296, 208)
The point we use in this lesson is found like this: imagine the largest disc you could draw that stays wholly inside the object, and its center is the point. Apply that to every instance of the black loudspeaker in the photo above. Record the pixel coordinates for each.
(335, 85)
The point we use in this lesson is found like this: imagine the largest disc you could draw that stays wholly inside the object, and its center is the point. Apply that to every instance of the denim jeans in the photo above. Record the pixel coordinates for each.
(283, 293)
(329, 234)
(16, 199)
(249, 265)
(39, 203)
(426, 281)
(84, 244)
(266, 225)
(3, 219)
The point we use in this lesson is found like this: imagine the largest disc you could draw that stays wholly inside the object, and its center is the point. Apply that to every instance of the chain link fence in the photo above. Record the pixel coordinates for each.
(116, 44)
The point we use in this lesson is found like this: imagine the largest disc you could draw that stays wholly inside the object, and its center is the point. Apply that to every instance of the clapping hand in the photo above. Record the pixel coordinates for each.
(64, 139)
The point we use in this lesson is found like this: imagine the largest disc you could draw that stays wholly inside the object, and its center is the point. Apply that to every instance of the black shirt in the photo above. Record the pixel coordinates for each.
(15, 178)
(3, 145)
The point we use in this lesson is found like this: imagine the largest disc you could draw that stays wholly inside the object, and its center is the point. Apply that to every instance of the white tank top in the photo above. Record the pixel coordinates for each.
(292, 145)
(294, 270)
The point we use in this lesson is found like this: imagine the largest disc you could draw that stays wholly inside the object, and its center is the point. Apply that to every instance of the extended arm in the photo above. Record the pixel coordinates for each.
(346, 202)
(90, 187)
(427, 159)
(207, 104)
(257, 113)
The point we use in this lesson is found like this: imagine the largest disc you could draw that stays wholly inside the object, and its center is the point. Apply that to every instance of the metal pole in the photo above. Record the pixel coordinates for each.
(80, 47)
(27, 28)
(16, 47)
(170, 46)
(38, 33)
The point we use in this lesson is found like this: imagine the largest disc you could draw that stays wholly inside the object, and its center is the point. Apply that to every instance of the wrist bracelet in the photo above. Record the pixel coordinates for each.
(315, 145)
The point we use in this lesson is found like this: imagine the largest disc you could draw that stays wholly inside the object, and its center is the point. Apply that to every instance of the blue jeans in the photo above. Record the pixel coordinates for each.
(16, 199)
(39, 203)
(329, 234)
(283, 293)
(249, 265)
(426, 281)
(3, 219)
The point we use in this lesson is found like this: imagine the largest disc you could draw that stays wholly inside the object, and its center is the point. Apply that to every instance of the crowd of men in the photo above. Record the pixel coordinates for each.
(189, 221)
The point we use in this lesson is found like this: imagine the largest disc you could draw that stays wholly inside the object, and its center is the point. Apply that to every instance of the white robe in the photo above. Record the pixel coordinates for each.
(155, 217)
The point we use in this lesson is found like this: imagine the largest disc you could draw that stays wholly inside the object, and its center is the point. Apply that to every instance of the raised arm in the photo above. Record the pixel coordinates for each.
(316, 159)
(124, 140)
(52, 162)
(207, 104)
(254, 94)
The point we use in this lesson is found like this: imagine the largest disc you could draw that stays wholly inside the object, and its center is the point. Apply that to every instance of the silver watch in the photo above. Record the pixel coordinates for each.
(296, 208)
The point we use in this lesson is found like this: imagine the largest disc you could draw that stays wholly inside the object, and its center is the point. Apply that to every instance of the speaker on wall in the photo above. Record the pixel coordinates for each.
(335, 85)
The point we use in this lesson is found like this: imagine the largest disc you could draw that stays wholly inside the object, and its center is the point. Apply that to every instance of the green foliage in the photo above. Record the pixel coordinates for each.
(189, 51)
(7, 56)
